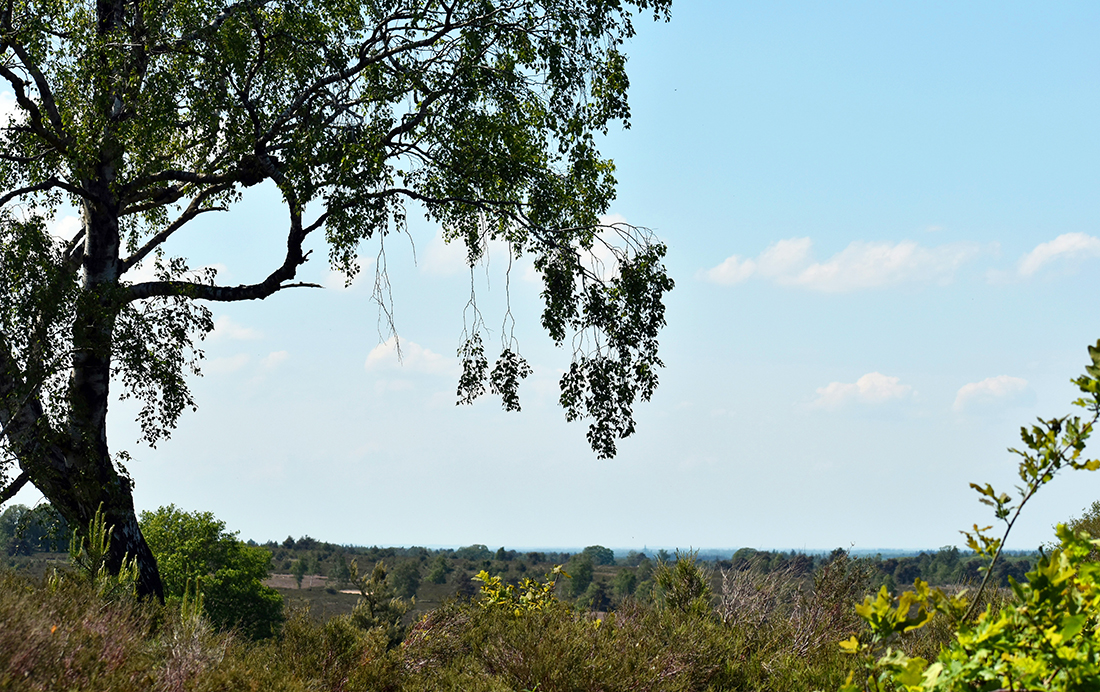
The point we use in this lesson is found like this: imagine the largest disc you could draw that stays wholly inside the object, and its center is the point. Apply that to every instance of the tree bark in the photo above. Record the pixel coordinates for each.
(78, 479)
(78, 476)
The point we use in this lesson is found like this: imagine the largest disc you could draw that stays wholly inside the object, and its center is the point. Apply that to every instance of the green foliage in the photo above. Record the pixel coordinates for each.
(581, 572)
(299, 570)
(1047, 637)
(89, 557)
(379, 607)
(1089, 522)
(195, 549)
(405, 578)
(441, 567)
(684, 585)
(527, 597)
(624, 583)
(596, 598)
(24, 530)
(599, 555)
(88, 561)
(475, 553)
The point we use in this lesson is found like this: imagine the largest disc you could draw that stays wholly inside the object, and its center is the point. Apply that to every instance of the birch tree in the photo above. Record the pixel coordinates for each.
(143, 115)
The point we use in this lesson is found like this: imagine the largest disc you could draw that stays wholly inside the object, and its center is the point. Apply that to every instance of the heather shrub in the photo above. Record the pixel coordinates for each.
(68, 637)
(521, 638)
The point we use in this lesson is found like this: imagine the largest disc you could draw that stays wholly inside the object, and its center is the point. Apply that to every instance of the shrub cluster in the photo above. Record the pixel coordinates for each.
(78, 638)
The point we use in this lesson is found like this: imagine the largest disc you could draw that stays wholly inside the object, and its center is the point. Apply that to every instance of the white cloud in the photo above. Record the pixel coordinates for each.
(225, 327)
(414, 358)
(443, 258)
(873, 388)
(226, 365)
(1000, 390)
(861, 265)
(733, 270)
(65, 227)
(1068, 246)
(274, 358)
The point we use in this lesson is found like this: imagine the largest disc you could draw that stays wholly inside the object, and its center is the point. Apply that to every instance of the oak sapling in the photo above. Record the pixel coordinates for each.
(1047, 637)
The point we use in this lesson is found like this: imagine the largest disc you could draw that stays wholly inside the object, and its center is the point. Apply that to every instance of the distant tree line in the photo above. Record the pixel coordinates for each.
(598, 579)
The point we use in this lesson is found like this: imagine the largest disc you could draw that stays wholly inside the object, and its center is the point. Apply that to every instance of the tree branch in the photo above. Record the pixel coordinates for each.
(212, 26)
(18, 85)
(19, 420)
(193, 210)
(45, 185)
(221, 294)
(365, 61)
(44, 90)
(276, 281)
(14, 487)
(174, 176)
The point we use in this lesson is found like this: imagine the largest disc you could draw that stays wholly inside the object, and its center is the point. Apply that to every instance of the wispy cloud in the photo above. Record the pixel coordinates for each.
(1001, 390)
(273, 359)
(861, 265)
(1066, 247)
(413, 358)
(872, 389)
(226, 328)
(338, 281)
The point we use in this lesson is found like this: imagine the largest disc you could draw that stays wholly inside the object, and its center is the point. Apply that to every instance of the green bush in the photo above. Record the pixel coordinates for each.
(599, 555)
(405, 579)
(683, 585)
(441, 567)
(195, 549)
(580, 572)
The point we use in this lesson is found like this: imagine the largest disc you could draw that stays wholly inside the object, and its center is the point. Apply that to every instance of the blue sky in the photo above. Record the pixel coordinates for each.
(884, 225)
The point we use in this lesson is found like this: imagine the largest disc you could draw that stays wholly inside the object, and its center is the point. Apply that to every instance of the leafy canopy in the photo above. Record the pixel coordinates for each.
(482, 113)
(196, 554)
